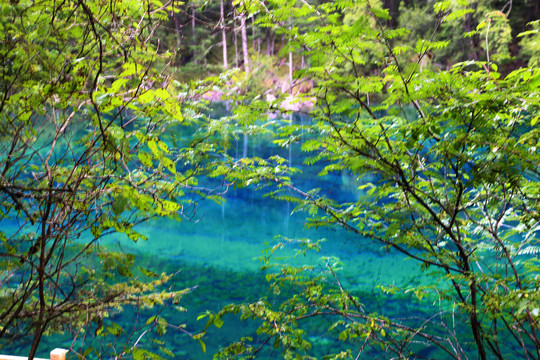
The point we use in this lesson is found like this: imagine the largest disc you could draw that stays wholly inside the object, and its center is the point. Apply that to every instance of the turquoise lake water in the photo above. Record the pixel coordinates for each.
(218, 250)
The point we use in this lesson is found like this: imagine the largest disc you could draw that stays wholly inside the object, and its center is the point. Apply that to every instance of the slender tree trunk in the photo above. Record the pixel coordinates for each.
(235, 40)
(194, 35)
(244, 40)
(470, 47)
(290, 64)
(41, 323)
(223, 36)
(475, 323)
(178, 30)
(389, 4)
(253, 38)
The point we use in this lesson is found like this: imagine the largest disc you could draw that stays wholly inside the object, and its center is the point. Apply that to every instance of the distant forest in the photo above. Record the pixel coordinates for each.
(212, 36)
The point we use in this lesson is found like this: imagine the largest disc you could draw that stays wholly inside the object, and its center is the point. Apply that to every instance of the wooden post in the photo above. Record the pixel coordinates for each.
(59, 354)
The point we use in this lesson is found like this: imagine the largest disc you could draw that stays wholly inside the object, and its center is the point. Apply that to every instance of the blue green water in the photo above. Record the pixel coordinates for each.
(217, 254)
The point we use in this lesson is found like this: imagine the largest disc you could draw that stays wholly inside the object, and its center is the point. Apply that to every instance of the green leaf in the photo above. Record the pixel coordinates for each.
(169, 206)
(146, 97)
(119, 205)
(218, 322)
(381, 13)
(154, 148)
(203, 345)
(166, 351)
(163, 146)
(117, 84)
(147, 272)
(458, 14)
(151, 320)
(169, 164)
(141, 354)
(116, 131)
(145, 159)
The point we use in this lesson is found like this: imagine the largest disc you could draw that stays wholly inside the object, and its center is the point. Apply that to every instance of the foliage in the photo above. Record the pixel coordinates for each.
(197, 43)
(95, 138)
(456, 189)
(531, 43)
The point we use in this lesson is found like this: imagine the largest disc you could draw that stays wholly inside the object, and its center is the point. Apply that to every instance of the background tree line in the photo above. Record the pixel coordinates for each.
(216, 35)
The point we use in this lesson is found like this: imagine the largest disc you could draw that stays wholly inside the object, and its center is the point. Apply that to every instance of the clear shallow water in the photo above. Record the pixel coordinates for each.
(217, 252)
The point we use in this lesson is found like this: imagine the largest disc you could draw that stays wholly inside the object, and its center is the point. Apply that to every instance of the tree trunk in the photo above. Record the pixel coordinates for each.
(223, 36)
(194, 35)
(389, 4)
(244, 40)
(253, 37)
(235, 40)
(41, 323)
(470, 49)
(290, 64)
(178, 30)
